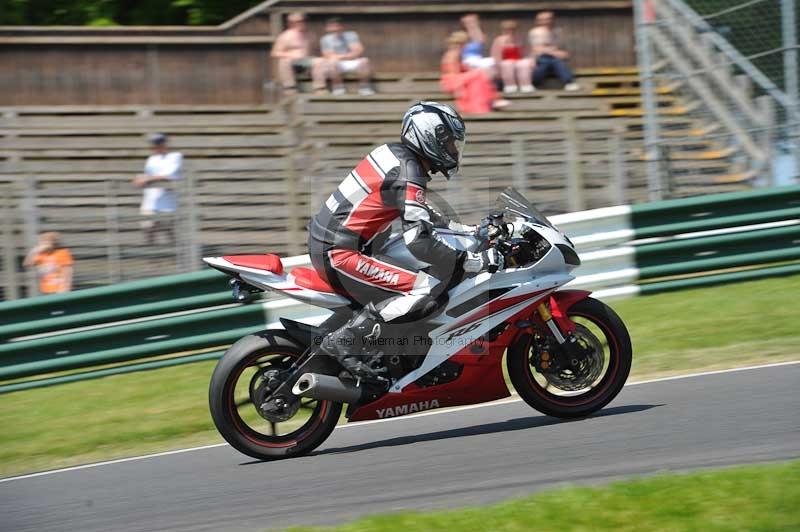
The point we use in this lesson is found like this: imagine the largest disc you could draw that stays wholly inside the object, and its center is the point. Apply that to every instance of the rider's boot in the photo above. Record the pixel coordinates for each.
(348, 344)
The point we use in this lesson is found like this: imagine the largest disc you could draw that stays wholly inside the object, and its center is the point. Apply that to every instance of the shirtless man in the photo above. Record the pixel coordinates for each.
(293, 51)
(550, 58)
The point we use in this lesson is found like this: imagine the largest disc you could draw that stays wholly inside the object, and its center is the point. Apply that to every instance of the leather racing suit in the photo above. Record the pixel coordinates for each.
(388, 185)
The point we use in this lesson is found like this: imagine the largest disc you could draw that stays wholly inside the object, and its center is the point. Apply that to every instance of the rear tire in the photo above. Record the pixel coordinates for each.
(244, 354)
(527, 381)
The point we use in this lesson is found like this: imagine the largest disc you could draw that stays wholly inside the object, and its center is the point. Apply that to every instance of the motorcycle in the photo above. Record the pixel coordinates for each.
(274, 395)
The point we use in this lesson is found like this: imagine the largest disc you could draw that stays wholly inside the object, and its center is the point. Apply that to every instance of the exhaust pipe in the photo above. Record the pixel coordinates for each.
(326, 388)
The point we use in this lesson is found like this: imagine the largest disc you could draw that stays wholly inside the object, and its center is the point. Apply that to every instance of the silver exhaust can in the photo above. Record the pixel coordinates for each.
(326, 388)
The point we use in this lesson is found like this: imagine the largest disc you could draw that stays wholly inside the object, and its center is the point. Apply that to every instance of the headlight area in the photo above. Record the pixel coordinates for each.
(570, 256)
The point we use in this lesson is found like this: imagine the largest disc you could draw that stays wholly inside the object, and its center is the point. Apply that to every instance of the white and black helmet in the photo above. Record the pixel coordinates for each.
(436, 132)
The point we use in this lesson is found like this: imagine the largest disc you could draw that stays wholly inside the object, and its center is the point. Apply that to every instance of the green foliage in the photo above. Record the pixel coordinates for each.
(764, 497)
(125, 12)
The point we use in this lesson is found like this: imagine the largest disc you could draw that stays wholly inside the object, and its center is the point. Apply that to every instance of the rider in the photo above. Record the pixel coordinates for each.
(390, 184)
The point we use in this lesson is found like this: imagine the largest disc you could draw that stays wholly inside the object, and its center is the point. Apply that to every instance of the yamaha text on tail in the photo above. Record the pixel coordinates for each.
(275, 395)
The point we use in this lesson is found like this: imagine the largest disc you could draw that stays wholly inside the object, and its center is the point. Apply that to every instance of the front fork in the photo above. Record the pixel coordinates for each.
(562, 329)
(547, 318)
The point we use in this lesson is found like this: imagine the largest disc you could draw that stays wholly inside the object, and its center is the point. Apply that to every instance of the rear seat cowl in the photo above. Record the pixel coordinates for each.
(268, 262)
(309, 278)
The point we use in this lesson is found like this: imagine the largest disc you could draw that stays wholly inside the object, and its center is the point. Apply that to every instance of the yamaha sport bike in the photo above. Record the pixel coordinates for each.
(275, 394)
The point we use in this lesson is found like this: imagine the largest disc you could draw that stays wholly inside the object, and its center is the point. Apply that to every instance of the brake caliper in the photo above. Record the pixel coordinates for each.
(544, 356)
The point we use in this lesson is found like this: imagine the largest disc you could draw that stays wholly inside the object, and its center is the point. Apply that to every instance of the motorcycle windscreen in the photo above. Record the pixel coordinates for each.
(512, 202)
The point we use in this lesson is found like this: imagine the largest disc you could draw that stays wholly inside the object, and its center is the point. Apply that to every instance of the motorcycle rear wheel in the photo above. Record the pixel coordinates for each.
(598, 327)
(235, 415)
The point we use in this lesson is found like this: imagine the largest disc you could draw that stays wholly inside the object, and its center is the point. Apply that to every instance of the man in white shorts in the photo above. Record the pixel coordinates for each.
(344, 52)
(159, 202)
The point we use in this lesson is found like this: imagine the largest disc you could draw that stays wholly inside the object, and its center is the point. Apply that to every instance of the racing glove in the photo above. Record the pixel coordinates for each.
(492, 226)
(461, 228)
(490, 261)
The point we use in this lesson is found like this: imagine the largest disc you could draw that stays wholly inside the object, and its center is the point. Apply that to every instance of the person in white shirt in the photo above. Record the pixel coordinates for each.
(159, 201)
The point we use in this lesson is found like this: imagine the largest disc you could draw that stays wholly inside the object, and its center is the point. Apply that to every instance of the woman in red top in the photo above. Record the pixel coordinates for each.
(473, 90)
(515, 68)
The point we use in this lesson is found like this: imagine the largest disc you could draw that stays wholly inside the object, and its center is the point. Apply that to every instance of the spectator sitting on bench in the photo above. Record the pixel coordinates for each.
(515, 69)
(472, 54)
(549, 56)
(344, 53)
(474, 92)
(293, 52)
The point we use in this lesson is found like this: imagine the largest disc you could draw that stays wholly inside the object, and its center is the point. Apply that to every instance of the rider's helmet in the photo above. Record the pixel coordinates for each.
(436, 132)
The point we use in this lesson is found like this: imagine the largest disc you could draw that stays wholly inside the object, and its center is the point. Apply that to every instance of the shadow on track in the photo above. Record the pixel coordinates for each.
(521, 423)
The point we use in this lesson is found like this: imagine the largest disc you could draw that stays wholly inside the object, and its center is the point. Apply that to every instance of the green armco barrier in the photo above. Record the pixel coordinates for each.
(764, 241)
(715, 279)
(721, 263)
(721, 222)
(97, 358)
(692, 211)
(125, 342)
(103, 298)
(113, 314)
(118, 370)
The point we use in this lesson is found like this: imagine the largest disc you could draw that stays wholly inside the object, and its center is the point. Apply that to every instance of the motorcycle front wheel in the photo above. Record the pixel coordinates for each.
(238, 390)
(590, 381)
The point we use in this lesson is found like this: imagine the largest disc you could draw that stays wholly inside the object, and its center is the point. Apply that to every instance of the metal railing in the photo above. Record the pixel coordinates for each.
(252, 210)
(735, 65)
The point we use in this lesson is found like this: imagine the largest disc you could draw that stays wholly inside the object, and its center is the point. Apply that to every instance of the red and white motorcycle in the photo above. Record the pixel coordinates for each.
(567, 354)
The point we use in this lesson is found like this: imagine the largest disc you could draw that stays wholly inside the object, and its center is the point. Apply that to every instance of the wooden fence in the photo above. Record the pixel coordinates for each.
(255, 175)
(229, 64)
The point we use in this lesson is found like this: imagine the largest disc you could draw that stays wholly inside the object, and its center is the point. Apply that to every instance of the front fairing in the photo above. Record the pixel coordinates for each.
(518, 212)
(524, 218)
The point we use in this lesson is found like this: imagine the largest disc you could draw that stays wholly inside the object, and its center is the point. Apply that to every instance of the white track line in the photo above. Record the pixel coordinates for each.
(513, 399)
(109, 462)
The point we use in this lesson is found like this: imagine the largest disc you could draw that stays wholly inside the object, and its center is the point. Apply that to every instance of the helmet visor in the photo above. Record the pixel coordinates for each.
(460, 147)
(455, 149)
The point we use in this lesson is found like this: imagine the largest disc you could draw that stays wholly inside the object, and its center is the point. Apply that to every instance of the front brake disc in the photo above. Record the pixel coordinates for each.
(580, 372)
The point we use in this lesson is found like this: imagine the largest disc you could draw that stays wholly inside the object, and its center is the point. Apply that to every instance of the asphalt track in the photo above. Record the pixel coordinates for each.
(457, 458)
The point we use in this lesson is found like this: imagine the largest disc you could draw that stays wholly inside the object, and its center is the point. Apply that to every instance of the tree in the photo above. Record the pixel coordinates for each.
(126, 12)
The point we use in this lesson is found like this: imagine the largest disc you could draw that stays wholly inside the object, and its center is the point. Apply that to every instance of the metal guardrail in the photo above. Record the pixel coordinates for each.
(647, 248)
(718, 211)
(136, 299)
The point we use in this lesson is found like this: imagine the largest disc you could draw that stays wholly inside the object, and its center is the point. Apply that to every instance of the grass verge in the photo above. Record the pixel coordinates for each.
(126, 415)
(752, 498)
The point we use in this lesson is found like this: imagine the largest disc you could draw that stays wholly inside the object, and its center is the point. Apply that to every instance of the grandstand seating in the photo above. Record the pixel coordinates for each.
(257, 173)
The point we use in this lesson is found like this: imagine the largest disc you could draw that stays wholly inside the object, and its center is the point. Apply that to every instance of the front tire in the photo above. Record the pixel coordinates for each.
(237, 418)
(599, 328)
